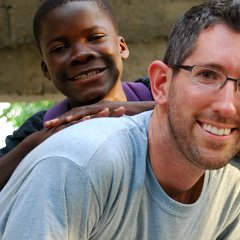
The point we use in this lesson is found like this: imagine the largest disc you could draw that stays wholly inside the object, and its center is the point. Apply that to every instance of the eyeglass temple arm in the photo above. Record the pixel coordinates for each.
(185, 67)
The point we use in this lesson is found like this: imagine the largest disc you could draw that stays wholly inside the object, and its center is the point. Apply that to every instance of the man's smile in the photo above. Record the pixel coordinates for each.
(217, 131)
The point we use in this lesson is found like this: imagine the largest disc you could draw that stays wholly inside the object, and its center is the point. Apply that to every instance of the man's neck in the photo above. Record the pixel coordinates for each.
(178, 177)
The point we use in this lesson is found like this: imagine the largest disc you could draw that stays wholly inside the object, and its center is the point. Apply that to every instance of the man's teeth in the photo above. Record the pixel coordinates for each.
(216, 131)
(87, 75)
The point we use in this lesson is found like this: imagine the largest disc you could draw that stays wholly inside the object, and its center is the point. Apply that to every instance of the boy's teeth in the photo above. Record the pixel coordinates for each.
(216, 131)
(87, 75)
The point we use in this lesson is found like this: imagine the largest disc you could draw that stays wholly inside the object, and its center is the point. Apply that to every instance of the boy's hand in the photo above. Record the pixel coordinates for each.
(78, 114)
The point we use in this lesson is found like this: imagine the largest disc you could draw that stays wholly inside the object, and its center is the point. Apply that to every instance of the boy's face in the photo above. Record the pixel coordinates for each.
(82, 52)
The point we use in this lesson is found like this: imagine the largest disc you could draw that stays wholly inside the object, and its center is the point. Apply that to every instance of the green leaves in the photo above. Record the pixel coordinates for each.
(17, 113)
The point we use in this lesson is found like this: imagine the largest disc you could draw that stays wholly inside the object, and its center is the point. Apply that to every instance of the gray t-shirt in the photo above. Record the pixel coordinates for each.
(94, 181)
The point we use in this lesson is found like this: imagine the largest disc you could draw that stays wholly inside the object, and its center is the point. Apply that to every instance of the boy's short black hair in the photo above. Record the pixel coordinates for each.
(48, 5)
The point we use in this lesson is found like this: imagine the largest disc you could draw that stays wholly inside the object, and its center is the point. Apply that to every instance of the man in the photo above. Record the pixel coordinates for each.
(157, 175)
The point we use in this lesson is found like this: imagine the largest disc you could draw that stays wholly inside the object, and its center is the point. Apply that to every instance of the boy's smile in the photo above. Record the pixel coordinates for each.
(82, 52)
(87, 75)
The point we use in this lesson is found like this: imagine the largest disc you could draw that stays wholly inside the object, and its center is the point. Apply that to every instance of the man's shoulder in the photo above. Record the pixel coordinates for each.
(97, 137)
(101, 128)
(233, 173)
(236, 162)
(227, 179)
(233, 168)
(104, 149)
(97, 131)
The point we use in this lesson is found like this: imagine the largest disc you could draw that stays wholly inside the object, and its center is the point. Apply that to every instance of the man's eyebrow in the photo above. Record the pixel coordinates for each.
(214, 66)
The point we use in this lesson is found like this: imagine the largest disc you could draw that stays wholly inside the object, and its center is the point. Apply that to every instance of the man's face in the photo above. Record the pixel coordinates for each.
(197, 115)
(82, 52)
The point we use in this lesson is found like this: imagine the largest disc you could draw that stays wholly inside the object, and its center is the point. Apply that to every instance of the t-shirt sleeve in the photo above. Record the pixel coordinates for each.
(31, 125)
(56, 201)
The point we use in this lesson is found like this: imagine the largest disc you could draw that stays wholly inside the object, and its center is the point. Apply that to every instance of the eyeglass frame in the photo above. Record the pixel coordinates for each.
(189, 68)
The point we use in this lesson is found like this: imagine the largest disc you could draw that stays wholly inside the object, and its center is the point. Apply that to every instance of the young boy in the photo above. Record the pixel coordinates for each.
(82, 54)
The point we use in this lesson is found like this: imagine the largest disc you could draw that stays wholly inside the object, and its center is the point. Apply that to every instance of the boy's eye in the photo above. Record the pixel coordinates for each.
(95, 37)
(59, 49)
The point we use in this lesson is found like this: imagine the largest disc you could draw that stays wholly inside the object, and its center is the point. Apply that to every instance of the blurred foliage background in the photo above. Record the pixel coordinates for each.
(18, 112)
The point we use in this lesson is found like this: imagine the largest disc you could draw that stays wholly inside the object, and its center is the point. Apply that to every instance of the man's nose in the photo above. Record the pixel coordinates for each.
(226, 100)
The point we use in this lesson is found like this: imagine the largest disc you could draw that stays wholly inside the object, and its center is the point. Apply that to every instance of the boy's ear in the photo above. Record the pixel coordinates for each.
(45, 70)
(158, 74)
(124, 51)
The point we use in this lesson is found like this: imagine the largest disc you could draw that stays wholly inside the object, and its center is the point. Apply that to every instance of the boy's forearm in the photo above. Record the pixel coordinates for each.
(10, 161)
(133, 108)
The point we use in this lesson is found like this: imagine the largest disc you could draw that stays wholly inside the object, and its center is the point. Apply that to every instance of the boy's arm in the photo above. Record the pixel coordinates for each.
(31, 125)
(133, 108)
(23, 141)
(15, 149)
(101, 109)
(11, 160)
(21, 145)
(26, 138)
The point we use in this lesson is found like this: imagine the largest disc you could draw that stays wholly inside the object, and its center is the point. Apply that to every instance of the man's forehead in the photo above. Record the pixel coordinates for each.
(217, 44)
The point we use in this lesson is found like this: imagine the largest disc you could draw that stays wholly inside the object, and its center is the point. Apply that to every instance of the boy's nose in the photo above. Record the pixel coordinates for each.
(81, 54)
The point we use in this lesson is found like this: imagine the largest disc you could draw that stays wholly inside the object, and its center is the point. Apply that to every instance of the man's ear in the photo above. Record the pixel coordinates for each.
(158, 72)
(124, 51)
(45, 70)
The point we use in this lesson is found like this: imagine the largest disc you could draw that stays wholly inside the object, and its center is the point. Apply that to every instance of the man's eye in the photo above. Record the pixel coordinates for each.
(207, 75)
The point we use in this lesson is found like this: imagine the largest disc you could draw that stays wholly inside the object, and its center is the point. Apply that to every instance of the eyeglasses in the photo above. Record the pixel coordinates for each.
(207, 77)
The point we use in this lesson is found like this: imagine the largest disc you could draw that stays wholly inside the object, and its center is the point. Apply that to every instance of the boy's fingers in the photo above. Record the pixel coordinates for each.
(55, 122)
(104, 113)
(62, 120)
(51, 123)
(118, 112)
(85, 118)
(71, 118)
